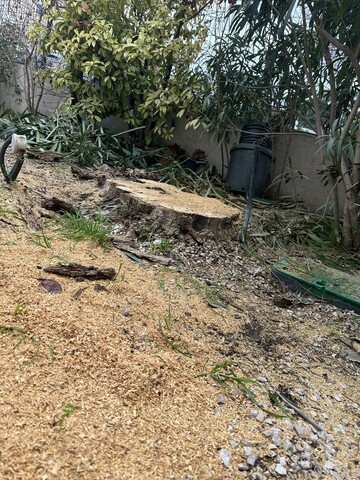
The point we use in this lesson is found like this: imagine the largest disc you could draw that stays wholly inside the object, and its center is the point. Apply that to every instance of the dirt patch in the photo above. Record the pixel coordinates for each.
(102, 380)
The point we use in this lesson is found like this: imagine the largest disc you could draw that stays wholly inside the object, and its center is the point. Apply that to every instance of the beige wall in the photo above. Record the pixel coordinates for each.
(297, 160)
(12, 98)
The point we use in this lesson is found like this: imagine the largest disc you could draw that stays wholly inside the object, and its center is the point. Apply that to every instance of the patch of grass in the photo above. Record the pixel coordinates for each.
(224, 375)
(24, 335)
(41, 240)
(77, 227)
(120, 274)
(210, 293)
(19, 309)
(5, 212)
(168, 318)
(69, 409)
(335, 332)
(177, 347)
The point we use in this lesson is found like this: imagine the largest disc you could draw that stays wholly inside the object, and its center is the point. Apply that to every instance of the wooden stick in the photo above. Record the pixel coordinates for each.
(147, 256)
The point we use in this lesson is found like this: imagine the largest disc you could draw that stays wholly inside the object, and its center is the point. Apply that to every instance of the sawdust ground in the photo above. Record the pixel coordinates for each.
(139, 409)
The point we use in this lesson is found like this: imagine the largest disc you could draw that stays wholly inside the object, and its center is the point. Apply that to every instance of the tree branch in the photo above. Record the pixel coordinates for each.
(344, 48)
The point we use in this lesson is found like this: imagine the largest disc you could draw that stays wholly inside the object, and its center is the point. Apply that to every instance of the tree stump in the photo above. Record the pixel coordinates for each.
(167, 209)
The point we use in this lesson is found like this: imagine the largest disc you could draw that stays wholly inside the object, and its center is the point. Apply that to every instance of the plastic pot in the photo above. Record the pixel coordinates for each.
(241, 164)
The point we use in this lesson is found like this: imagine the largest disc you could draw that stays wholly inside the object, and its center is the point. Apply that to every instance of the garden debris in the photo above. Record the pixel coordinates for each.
(80, 271)
(139, 254)
(51, 286)
(56, 204)
(84, 173)
(79, 292)
(282, 302)
(30, 216)
(47, 156)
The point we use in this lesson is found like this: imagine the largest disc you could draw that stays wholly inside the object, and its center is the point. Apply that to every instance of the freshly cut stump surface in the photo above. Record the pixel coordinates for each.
(168, 208)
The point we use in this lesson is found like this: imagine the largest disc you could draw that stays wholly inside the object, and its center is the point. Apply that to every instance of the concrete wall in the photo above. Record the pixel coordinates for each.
(297, 160)
(15, 98)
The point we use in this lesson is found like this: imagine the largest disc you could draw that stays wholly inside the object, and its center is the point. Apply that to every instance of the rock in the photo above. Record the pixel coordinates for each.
(234, 443)
(243, 467)
(288, 445)
(329, 465)
(221, 400)
(305, 464)
(260, 417)
(300, 430)
(280, 470)
(276, 440)
(247, 451)
(252, 459)
(225, 456)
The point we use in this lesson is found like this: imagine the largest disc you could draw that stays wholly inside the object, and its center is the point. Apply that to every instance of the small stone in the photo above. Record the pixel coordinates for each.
(247, 451)
(234, 443)
(254, 413)
(288, 445)
(282, 461)
(329, 465)
(243, 467)
(276, 441)
(269, 421)
(300, 430)
(221, 400)
(260, 417)
(272, 432)
(252, 459)
(305, 464)
(225, 456)
(289, 424)
(280, 470)
(272, 446)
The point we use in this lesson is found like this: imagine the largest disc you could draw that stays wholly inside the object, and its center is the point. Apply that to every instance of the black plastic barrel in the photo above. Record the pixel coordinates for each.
(241, 164)
(257, 134)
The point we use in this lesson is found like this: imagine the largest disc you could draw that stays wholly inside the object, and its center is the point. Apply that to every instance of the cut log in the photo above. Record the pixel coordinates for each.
(167, 209)
(79, 271)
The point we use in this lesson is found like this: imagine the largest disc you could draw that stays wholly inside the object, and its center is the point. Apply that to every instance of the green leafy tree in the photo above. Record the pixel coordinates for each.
(288, 61)
(129, 58)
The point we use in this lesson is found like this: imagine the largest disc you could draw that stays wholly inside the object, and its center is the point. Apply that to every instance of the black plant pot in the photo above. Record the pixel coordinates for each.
(242, 157)
(257, 134)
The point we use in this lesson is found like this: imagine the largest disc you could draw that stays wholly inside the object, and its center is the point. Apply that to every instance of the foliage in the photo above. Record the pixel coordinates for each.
(63, 132)
(10, 50)
(294, 62)
(129, 58)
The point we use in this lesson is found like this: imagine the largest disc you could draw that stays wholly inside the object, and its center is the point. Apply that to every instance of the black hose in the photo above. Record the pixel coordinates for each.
(15, 170)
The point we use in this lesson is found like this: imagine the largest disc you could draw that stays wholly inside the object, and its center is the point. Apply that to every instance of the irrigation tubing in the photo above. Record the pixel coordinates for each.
(11, 175)
(251, 193)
